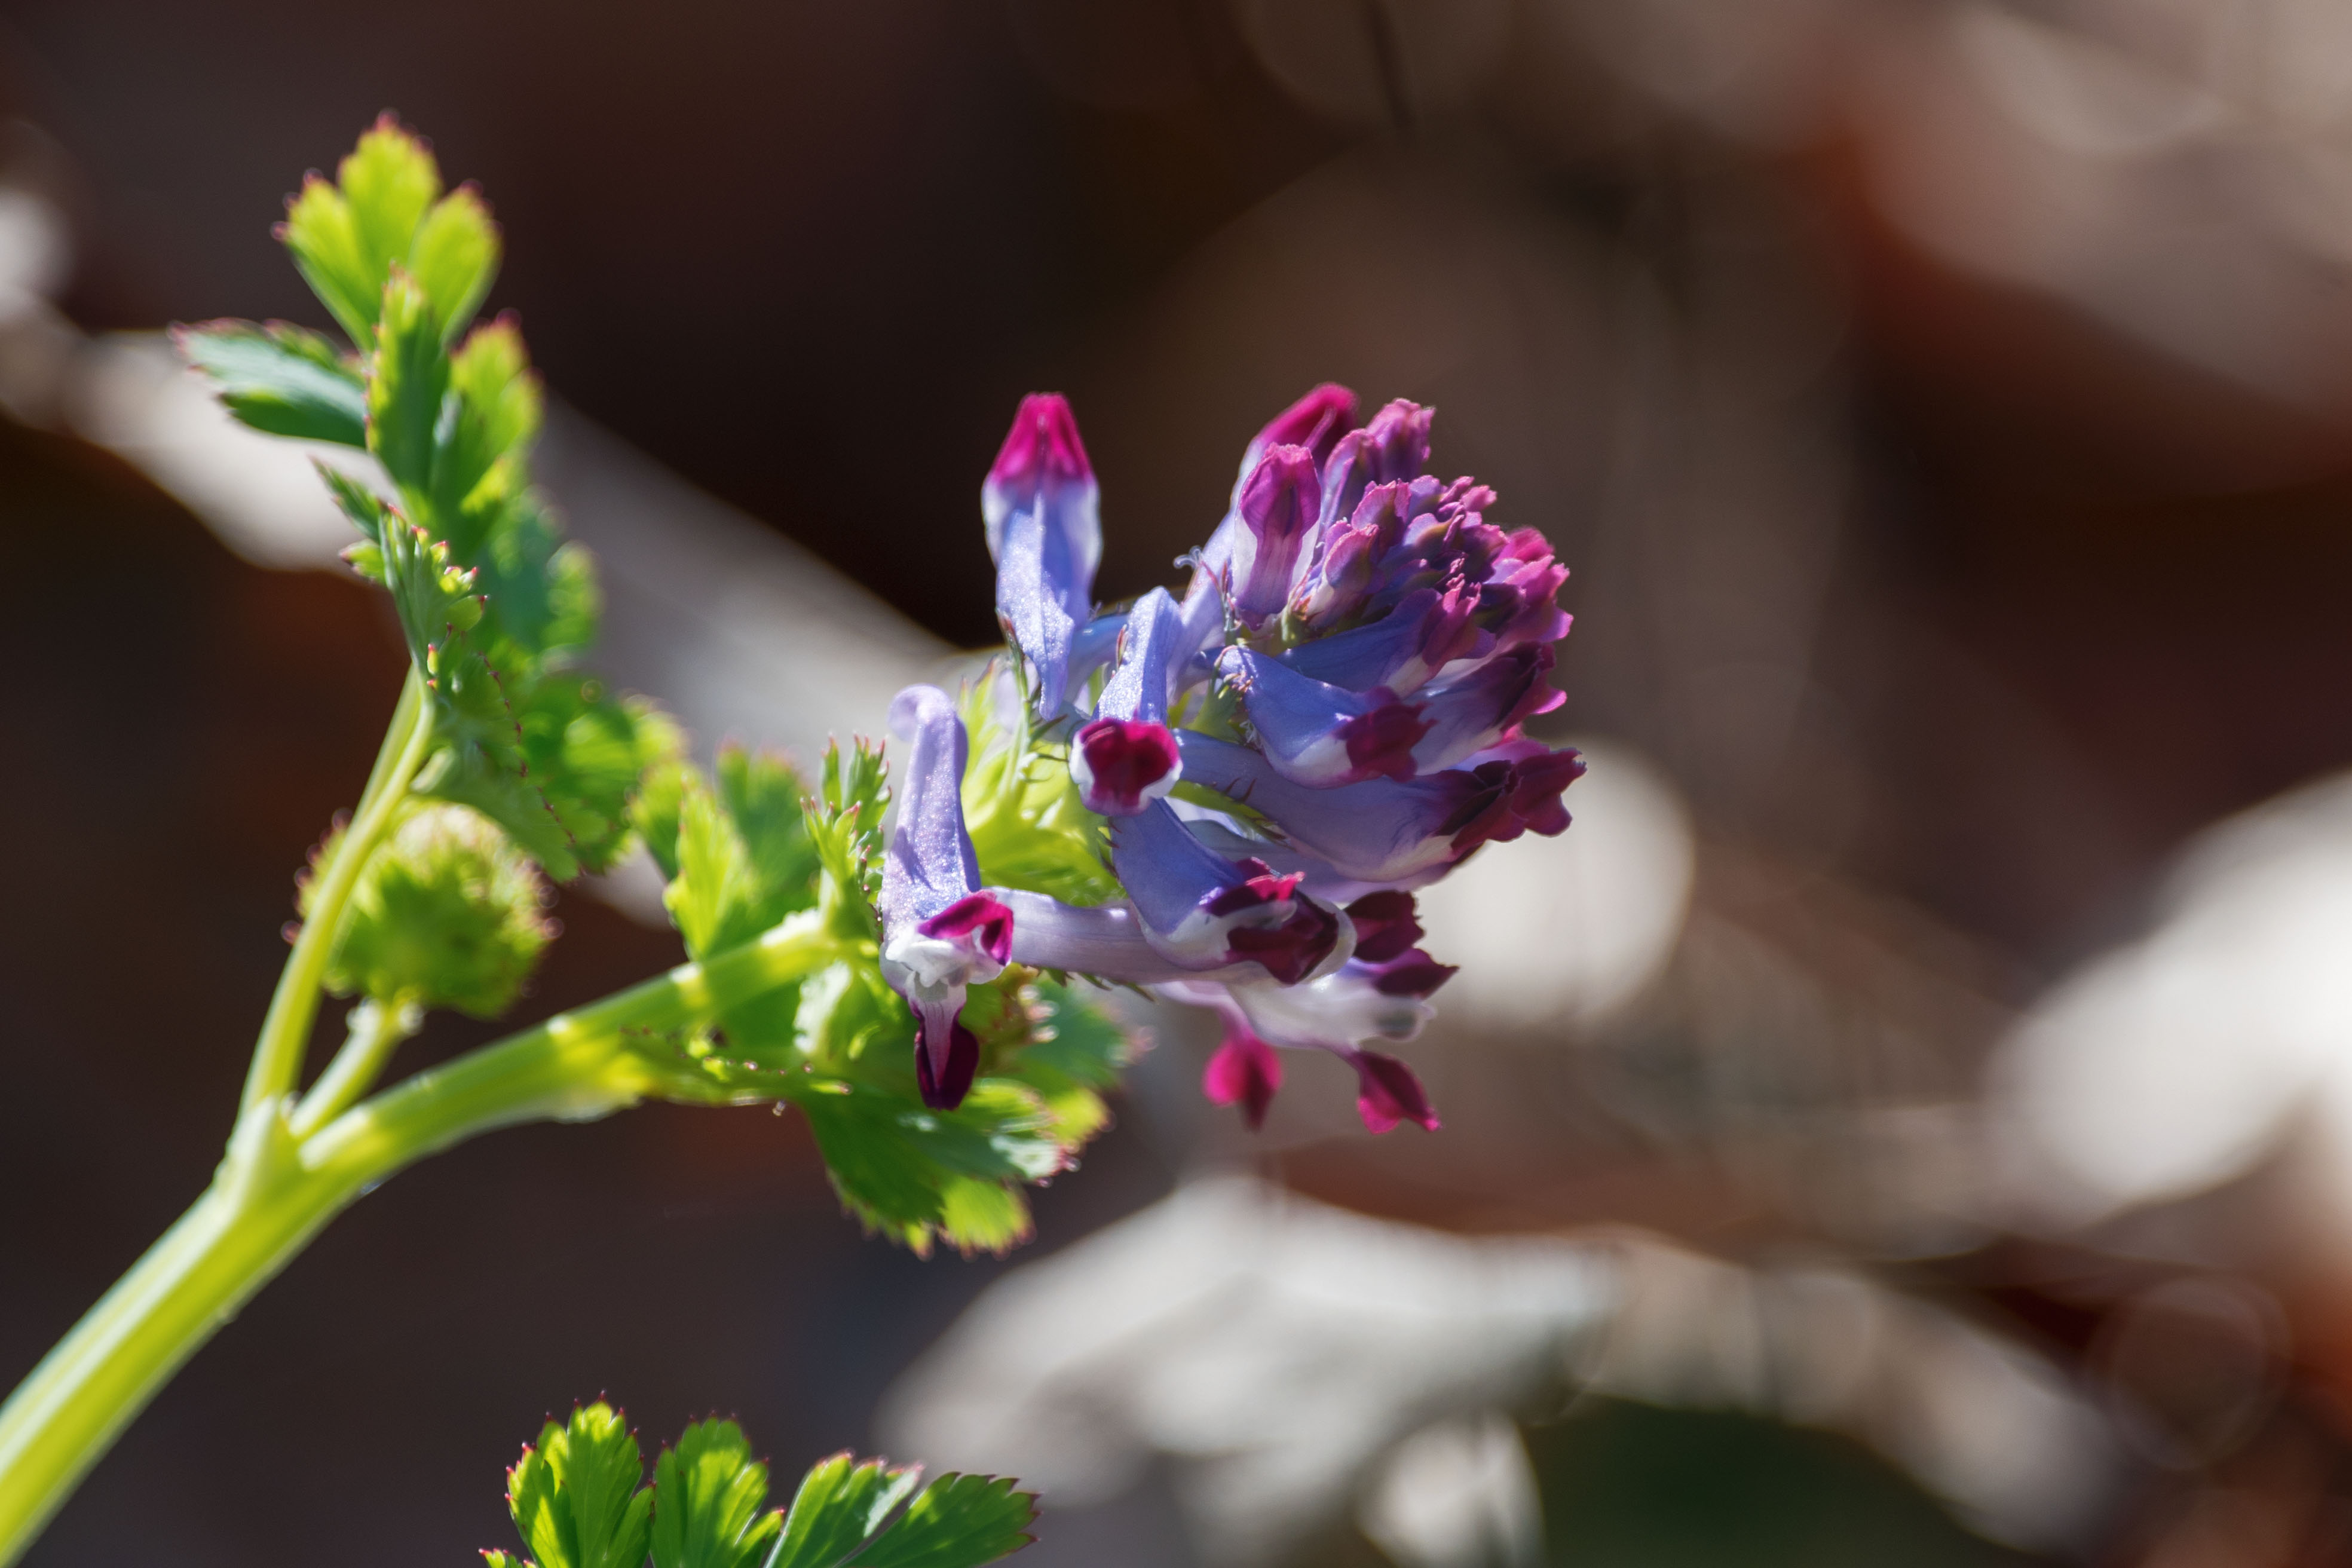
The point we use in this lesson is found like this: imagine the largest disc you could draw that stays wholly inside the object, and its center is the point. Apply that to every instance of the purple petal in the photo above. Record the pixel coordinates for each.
(1245, 1072)
(1387, 926)
(1121, 765)
(1319, 734)
(947, 1055)
(1314, 422)
(1278, 504)
(1472, 712)
(1139, 687)
(1425, 632)
(1381, 831)
(1041, 506)
(1389, 1093)
(1204, 911)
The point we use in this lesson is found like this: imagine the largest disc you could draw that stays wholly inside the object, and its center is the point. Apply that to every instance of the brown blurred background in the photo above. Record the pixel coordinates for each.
(1945, 407)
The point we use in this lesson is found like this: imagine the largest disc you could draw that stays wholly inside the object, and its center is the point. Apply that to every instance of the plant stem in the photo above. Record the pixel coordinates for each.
(275, 1190)
(376, 1030)
(286, 1029)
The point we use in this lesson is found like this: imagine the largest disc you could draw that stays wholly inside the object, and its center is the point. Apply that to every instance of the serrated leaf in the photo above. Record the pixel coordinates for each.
(710, 898)
(390, 182)
(959, 1521)
(454, 258)
(659, 804)
(554, 764)
(707, 1492)
(575, 1498)
(893, 1160)
(492, 1559)
(324, 242)
(764, 797)
(407, 379)
(839, 1507)
(479, 470)
(280, 379)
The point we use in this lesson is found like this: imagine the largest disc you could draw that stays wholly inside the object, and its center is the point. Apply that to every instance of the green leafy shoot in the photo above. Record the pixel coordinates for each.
(575, 1498)
(739, 856)
(708, 1494)
(384, 210)
(577, 1503)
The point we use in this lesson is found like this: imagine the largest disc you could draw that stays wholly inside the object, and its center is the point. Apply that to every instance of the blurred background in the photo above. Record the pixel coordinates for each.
(1907, 1119)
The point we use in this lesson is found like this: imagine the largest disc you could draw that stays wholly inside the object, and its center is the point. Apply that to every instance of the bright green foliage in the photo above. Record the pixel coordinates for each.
(571, 1501)
(1027, 822)
(281, 379)
(496, 609)
(842, 1504)
(707, 1492)
(575, 1498)
(530, 759)
(382, 212)
(449, 914)
(959, 1519)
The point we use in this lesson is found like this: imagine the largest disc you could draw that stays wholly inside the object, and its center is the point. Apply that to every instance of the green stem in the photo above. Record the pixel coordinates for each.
(274, 1191)
(376, 1030)
(286, 1029)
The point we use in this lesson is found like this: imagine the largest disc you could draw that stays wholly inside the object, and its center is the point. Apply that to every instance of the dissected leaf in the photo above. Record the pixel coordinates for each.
(707, 1493)
(959, 1521)
(280, 379)
(454, 257)
(894, 1161)
(479, 470)
(408, 377)
(840, 1505)
(575, 1498)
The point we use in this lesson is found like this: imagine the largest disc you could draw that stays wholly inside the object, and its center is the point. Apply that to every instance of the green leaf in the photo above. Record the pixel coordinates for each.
(493, 1559)
(553, 763)
(840, 1505)
(660, 803)
(712, 895)
(896, 1163)
(454, 258)
(575, 1498)
(707, 1493)
(479, 471)
(959, 1521)
(319, 232)
(345, 237)
(390, 182)
(409, 378)
(765, 797)
(279, 379)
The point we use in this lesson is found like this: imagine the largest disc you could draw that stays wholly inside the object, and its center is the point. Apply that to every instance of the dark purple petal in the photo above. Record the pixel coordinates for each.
(1387, 926)
(1320, 734)
(1204, 911)
(1278, 507)
(1412, 973)
(947, 1055)
(977, 921)
(1314, 422)
(1244, 1071)
(1122, 765)
(1389, 1093)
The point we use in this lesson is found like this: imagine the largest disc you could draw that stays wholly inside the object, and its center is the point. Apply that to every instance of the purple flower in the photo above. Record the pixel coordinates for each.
(1203, 911)
(1039, 503)
(1351, 664)
(1319, 734)
(1278, 506)
(1381, 831)
(1125, 757)
(942, 933)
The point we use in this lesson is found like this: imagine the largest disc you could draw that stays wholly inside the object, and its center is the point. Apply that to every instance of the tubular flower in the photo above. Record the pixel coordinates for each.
(1340, 694)
(1041, 506)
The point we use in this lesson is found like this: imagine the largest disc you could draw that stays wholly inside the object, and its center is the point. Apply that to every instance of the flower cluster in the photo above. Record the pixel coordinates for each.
(1329, 718)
